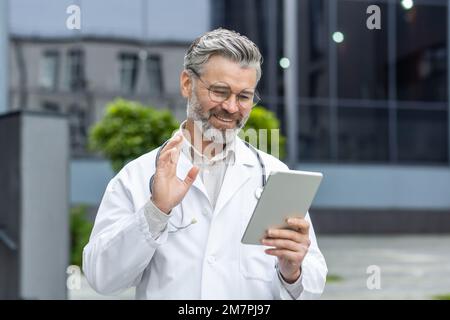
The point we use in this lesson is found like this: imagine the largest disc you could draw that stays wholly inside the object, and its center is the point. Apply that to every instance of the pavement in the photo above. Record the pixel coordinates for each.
(410, 267)
(368, 267)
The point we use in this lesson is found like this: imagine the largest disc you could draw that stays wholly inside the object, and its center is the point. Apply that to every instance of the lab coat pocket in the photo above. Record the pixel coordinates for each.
(254, 263)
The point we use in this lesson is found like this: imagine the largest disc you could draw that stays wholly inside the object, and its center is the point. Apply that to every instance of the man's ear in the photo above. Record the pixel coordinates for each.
(185, 84)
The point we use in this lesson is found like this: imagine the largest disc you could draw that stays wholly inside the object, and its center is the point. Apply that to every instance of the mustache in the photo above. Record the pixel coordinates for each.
(226, 115)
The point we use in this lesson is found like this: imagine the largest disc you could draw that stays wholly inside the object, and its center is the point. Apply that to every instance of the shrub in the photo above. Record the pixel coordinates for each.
(130, 129)
(261, 118)
(80, 231)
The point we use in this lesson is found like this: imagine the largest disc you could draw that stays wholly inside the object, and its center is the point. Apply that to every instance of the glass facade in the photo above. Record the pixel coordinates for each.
(365, 95)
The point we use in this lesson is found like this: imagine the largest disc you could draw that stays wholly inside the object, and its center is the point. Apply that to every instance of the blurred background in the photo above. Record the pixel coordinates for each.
(367, 107)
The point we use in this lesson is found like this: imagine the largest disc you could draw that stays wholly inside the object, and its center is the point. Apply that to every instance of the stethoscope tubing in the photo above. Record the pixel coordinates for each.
(258, 191)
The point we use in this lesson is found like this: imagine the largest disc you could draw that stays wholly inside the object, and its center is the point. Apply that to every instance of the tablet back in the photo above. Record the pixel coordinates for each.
(286, 194)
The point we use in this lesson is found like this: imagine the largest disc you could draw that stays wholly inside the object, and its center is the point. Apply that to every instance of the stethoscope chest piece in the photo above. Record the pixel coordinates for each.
(258, 192)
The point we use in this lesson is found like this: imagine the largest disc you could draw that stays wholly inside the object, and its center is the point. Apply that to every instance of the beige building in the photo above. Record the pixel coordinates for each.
(79, 78)
(132, 49)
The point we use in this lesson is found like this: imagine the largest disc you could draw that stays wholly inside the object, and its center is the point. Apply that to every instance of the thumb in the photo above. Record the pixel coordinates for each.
(191, 176)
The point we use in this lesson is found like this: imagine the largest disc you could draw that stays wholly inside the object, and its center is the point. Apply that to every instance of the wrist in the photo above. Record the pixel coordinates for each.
(162, 208)
(291, 278)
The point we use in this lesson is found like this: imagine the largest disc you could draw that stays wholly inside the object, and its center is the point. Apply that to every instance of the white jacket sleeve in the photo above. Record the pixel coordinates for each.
(314, 268)
(314, 272)
(121, 244)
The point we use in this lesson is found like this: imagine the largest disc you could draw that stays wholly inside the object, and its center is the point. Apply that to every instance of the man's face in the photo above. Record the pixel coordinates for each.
(220, 122)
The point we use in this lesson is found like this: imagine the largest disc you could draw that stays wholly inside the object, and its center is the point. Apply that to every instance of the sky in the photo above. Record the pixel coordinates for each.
(173, 20)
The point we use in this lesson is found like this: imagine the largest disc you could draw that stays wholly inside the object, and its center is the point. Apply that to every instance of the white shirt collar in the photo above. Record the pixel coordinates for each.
(196, 157)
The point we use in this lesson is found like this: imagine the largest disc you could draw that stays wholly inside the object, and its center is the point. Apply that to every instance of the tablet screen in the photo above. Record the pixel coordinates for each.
(286, 194)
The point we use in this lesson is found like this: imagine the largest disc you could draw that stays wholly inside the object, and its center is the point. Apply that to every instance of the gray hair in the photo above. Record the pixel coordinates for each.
(226, 43)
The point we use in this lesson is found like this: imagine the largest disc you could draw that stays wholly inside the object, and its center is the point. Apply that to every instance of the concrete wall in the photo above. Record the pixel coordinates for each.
(88, 181)
(34, 206)
(382, 187)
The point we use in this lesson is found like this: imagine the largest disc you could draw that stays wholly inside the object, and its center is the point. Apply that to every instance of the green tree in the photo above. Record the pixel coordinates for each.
(80, 230)
(269, 140)
(130, 129)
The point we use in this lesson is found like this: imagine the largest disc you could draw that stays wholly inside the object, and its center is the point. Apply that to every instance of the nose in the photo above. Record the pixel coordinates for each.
(231, 104)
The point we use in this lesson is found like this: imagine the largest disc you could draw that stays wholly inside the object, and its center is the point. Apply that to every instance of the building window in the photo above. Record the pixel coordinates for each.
(154, 75)
(422, 136)
(50, 106)
(75, 77)
(422, 53)
(367, 96)
(128, 72)
(422, 84)
(363, 134)
(362, 56)
(314, 132)
(49, 66)
(313, 49)
(78, 129)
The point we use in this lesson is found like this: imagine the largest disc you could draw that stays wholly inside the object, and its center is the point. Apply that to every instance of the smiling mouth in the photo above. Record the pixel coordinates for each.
(223, 119)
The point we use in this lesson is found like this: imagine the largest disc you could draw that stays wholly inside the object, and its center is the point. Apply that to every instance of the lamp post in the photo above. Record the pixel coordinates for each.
(291, 79)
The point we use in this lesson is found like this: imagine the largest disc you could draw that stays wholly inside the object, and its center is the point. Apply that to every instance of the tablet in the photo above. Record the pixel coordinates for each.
(286, 194)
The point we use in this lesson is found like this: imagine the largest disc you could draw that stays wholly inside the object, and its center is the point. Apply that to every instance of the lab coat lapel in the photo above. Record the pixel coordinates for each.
(236, 174)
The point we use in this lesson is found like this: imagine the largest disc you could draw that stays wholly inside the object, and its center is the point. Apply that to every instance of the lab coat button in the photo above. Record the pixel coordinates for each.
(211, 260)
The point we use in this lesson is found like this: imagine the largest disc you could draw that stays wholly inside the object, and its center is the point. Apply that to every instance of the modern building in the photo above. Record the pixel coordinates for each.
(372, 108)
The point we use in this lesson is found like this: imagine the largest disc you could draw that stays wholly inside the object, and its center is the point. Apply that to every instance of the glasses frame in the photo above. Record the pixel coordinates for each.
(256, 98)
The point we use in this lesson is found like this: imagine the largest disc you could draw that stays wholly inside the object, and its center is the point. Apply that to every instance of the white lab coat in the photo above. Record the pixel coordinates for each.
(205, 260)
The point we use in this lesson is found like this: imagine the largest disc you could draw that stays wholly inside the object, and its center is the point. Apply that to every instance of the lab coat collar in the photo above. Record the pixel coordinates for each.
(236, 174)
(244, 155)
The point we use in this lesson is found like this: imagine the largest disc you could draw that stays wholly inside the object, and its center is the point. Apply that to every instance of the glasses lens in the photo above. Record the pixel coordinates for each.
(219, 92)
(256, 99)
(246, 99)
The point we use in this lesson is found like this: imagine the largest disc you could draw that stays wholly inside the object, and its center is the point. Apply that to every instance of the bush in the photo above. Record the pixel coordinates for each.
(130, 129)
(80, 231)
(261, 118)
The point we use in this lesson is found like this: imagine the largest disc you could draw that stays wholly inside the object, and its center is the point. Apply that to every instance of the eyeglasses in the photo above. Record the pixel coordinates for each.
(220, 92)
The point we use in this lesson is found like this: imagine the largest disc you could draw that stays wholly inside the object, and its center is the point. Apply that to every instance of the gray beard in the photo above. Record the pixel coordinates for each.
(209, 132)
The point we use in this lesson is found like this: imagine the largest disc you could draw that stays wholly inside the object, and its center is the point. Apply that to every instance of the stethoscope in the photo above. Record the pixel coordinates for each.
(258, 191)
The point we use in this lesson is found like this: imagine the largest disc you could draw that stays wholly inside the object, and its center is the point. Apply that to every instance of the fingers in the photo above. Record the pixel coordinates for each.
(191, 176)
(291, 256)
(285, 234)
(282, 244)
(166, 158)
(173, 142)
(293, 240)
(171, 155)
(299, 224)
